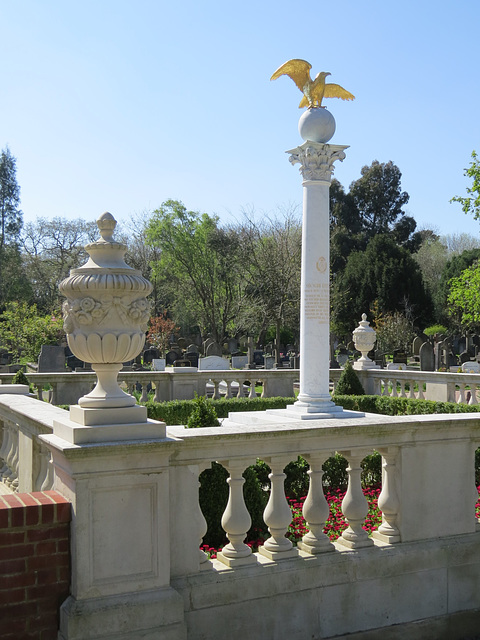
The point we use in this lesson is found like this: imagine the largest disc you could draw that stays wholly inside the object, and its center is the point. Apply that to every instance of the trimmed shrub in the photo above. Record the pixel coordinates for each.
(203, 414)
(20, 378)
(348, 383)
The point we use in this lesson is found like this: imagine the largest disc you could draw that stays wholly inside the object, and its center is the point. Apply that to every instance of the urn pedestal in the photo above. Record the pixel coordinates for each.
(106, 315)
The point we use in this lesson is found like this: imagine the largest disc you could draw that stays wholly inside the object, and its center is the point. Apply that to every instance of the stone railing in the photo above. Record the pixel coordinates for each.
(428, 531)
(66, 388)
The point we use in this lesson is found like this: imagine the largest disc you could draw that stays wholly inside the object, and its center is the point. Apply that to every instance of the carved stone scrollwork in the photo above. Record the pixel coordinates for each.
(316, 159)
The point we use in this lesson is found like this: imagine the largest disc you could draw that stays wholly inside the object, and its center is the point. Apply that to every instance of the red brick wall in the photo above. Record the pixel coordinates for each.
(34, 564)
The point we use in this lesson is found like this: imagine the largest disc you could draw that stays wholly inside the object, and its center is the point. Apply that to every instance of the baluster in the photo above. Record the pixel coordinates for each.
(240, 392)
(202, 523)
(402, 393)
(277, 514)
(393, 392)
(4, 451)
(354, 504)
(461, 393)
(12, 457)
(473, 393)
(252, 393)
(44, 477)
(265, 390)
(377, 387)
(216, 389)
(144, 395)
(388, 502)
(156, 396)
(411, 392)
(229, 389)
(315, 509)
(420, 391)
(385, 387)
(236, 520)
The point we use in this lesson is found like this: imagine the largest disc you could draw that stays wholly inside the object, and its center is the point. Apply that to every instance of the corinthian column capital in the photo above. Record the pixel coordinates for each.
(316, 159)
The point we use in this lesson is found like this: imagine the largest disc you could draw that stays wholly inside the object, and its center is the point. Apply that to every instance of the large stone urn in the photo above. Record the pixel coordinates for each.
(105, 318)
(364, 338)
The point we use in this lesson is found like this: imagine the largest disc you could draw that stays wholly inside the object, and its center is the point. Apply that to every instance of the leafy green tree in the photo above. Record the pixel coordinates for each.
(453, 269)
(464, 297)
(471, 204)
(384, 273)
(197, 267)
(23, 331)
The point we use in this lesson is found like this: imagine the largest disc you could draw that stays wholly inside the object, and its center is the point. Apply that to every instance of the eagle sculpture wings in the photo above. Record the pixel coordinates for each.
(313, 90)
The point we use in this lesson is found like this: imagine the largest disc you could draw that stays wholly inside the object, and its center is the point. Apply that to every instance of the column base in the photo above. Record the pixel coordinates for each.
(278, 555)
(236, 562)
(134, 616)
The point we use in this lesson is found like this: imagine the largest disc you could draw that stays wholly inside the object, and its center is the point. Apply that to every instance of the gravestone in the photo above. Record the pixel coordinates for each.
(192, 357)
(182, 362)
(239, 362)
(399, 356)
(464, 357)
(182, 343)
(269, 362)
(170, 357)
(258, 357)
(206, 344)
(51, 359)
(192, 348)
(427, 357)
(417, 343)
(250, 351)
(158, 364)
(150, 354)
(396, 366)
(213, 349)
(471, 367)
(232, 345)
(213, 363)
(342, 355)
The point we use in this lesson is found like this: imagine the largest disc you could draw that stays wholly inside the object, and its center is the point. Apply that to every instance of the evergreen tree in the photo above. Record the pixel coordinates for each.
(13, 283)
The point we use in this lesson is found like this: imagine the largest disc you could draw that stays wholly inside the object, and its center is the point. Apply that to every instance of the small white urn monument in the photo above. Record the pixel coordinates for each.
(106, 314)
(364, 338)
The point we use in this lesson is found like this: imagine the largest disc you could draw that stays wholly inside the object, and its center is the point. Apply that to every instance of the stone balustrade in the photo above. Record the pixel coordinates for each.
(428, 532)
(66, 388)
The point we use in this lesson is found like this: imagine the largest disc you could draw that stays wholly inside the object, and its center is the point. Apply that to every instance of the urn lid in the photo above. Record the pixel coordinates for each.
(364, 327)
(106, 268)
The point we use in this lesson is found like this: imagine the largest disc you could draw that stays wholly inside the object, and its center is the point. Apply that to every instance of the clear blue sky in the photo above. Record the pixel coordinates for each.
(115, 105)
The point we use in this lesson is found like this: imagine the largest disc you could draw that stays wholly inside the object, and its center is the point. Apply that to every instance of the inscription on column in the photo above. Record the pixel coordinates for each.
(317, 302)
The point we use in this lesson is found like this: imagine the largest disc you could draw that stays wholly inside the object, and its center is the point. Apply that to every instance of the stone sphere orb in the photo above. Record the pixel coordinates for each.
(316, 124)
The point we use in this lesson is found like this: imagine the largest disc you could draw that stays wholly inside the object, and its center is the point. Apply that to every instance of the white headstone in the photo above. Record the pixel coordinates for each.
(213, 363)
(471, 367)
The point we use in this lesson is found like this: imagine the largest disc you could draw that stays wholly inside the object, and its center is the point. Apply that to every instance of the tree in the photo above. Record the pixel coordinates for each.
(160, 331)
(464, 297)
(12, 280)
(373, 206)
(23, 331)
(471, 204)
(50, 249)
(271, 261)
(385, 273)
(453, 269)
(10, 214)
(197, 268)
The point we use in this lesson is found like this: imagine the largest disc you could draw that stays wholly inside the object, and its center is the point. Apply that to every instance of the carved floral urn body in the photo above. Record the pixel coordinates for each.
(364, 338)
(106, 315)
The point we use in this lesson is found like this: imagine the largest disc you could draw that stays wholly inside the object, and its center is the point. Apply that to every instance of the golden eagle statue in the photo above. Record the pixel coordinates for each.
(314, 91)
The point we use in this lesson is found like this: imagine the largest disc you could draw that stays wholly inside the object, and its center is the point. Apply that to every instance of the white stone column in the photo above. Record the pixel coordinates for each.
(316, 166)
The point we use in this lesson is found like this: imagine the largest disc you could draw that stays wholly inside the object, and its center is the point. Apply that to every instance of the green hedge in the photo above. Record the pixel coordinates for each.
(401, 406)
(178, 411)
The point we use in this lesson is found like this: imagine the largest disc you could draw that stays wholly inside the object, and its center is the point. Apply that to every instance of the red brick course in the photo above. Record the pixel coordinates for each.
(34, 564)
